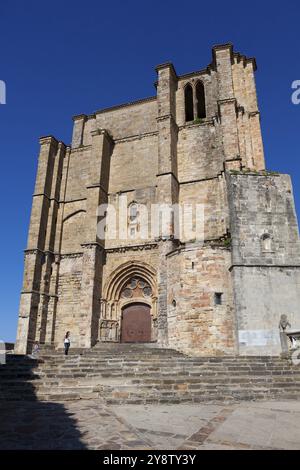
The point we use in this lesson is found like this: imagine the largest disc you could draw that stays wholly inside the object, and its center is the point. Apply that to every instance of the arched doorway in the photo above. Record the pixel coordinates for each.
(132, 283)
(136, 323)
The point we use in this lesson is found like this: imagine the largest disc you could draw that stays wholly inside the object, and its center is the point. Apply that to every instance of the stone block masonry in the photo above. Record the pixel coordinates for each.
(197, 141)
(265, 258)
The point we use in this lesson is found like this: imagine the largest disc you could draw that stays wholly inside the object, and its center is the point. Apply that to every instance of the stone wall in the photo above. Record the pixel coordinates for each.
(68, 314)
(199, 151)
(134, 164)
(211, 195)
(265, 258)
(196, 325)
(146, 152)
(261, 295)
(121, 122)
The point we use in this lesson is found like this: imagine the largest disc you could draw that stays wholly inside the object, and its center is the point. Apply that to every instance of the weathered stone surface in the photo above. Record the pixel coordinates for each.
(205, 297)
(85, 424)
(134, 374)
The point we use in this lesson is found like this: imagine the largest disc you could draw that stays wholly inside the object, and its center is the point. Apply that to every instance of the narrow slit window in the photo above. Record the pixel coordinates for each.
(200, 96)
(189, 105)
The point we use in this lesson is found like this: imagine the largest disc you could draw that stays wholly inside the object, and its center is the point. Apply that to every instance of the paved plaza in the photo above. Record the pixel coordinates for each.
(90, 424)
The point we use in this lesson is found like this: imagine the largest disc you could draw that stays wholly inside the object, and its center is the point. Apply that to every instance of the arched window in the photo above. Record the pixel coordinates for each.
(133, 212)
(189, 106)
(200, 97)
(133, 225)
(266, 242)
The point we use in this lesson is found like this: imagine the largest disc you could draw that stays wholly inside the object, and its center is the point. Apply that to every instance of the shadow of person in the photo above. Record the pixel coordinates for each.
(26, 422)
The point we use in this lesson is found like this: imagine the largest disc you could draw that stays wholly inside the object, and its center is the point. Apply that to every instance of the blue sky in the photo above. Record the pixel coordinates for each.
(62, 58)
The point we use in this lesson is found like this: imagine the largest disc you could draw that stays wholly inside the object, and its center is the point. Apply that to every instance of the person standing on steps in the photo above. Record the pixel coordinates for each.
(67, 343)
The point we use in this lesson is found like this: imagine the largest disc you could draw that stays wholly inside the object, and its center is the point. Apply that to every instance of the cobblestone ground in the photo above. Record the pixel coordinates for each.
(89, 424)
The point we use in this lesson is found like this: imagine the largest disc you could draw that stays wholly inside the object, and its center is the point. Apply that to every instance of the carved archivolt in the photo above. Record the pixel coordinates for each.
(122, 275)
(131, 282)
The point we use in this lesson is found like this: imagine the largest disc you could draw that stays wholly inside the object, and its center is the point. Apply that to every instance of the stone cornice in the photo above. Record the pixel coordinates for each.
(33, 251)
(103, 132)
(168, 173)
(124, 105)
(80, 117)
(47, 197)
(59, 201)
(136, 137)
(123, 249)
(47, 139)
(97, 185)
(219, 175)
(77, 254)
(220, 47)
(205, 71)
(51, 140)
(57, 255)
(280, 266)
(253, 113)
(263, 173)
(119, 140)
(165, 238)
(123, 191)
(80, 148)
(227, 101)
(205, 122)
(214, 243)
(230, 101)
(234, 159)
(165, 117)
(68, 201)
(37, 292)
(167, 65)
(226, 45)
(92, 245)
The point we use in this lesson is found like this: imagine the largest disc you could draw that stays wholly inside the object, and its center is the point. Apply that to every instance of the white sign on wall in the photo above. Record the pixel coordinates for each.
(258, 337)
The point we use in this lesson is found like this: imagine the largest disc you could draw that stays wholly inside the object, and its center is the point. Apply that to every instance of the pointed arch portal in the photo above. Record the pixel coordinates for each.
(129, 305)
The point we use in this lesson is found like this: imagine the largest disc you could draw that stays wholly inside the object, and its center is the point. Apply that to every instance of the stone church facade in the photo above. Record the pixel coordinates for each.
(197, 141)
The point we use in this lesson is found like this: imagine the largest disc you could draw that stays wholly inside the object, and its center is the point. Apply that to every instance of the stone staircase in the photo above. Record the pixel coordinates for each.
(121, 373)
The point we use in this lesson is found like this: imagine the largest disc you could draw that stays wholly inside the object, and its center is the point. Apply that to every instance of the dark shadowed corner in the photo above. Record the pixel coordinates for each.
(26, 422)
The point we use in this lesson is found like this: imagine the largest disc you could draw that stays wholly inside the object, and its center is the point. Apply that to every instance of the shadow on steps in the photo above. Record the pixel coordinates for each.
(26, 422)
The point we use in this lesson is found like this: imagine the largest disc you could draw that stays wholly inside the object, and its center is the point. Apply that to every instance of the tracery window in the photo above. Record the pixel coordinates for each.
(194, 102)
(136, 287)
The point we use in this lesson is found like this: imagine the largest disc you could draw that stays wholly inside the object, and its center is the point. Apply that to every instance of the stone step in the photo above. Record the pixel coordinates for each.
(208, 377)
(128, 355)
(168, 383)
(113, 359)
(144, 353)
(142, 365)
(134, 357)
(167, 375)
(129, 374)
(126, 397)
(144, 370)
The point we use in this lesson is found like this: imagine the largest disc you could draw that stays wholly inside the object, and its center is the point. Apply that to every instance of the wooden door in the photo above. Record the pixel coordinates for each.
(136, 324)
